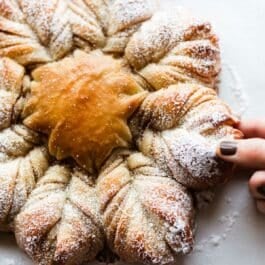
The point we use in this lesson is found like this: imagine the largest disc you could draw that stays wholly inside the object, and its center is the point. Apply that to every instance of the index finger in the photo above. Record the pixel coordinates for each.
(252, 128)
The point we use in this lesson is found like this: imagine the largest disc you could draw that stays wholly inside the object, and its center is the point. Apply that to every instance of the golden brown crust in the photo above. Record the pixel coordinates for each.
(83, 103)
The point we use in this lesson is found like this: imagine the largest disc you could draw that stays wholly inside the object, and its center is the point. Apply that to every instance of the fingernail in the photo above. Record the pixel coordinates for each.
(228, 148)
(261, 190)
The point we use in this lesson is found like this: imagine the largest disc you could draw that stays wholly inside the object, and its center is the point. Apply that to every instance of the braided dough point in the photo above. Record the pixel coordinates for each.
(21, 165)
(147, 216)
(126, 16)
(17, 39)
(22, 162)
(60, 223)
(174, 47)
(179, 127)
(11, 79)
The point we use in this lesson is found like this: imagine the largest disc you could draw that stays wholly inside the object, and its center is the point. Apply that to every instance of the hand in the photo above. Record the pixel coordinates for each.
(249, 153)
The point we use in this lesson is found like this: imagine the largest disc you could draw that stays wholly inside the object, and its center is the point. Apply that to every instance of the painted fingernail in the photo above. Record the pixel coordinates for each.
(261, 190)
(228, 148)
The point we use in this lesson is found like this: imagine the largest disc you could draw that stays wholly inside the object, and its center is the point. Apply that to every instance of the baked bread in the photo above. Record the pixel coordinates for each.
(109, 121)
(148, 217)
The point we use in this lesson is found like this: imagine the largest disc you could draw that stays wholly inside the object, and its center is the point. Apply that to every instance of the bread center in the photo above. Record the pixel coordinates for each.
(82, 103)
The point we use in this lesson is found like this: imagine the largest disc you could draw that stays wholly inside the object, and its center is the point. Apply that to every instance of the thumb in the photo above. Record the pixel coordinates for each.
(245, 153)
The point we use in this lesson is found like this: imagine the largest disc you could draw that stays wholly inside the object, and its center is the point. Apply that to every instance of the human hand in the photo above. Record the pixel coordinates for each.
(249, 153)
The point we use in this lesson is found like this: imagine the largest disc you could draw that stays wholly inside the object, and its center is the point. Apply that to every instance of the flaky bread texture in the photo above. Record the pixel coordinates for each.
(60, 223)
(180, 127)
(147, 216)
(140, 203)
(163, 46)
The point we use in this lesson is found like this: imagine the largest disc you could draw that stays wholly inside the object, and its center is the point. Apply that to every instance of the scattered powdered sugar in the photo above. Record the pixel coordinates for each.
(229, 221)
(215, 240)
(230, 82)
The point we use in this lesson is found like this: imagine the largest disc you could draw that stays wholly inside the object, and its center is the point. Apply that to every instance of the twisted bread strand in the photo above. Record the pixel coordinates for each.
(60, 223)
(179, 128)
(17, 39)
(21, 165)
(11, 78)
(147, 216)
(126, 17)
(34, 31)
(165, 49)
(174, 47)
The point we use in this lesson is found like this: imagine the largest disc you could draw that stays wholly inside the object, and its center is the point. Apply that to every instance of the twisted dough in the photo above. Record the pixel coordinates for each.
(179, 128)
(174, 47)
(164, 48)
(147, 216)
(22, 162)
(11, 79)
(142, 205)
(21, 165)
(60, 223)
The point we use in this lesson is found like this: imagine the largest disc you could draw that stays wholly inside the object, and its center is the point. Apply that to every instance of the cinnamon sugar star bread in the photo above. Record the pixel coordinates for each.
(108, 125)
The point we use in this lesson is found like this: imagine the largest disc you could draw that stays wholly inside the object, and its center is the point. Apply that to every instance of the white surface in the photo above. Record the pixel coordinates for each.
(231, 231)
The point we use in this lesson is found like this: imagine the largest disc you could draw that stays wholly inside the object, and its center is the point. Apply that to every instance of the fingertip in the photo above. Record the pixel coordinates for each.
(257, 185)
(261, 206)
(252, 127)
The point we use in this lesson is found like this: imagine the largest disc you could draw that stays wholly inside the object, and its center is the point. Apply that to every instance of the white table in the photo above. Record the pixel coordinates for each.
(230, 231)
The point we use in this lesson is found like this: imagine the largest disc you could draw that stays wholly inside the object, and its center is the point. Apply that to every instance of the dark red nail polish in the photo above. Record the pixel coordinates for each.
(228, 148)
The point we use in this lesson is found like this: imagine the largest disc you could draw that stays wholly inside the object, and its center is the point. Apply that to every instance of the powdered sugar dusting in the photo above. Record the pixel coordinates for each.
(128, 13)
(50, 22)
(159, 35)
(152, 209)
(148, 216)
(55, 224)
(180, 127)
(195, 156)
(215, 240)
(232, 91)
(18, 177)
